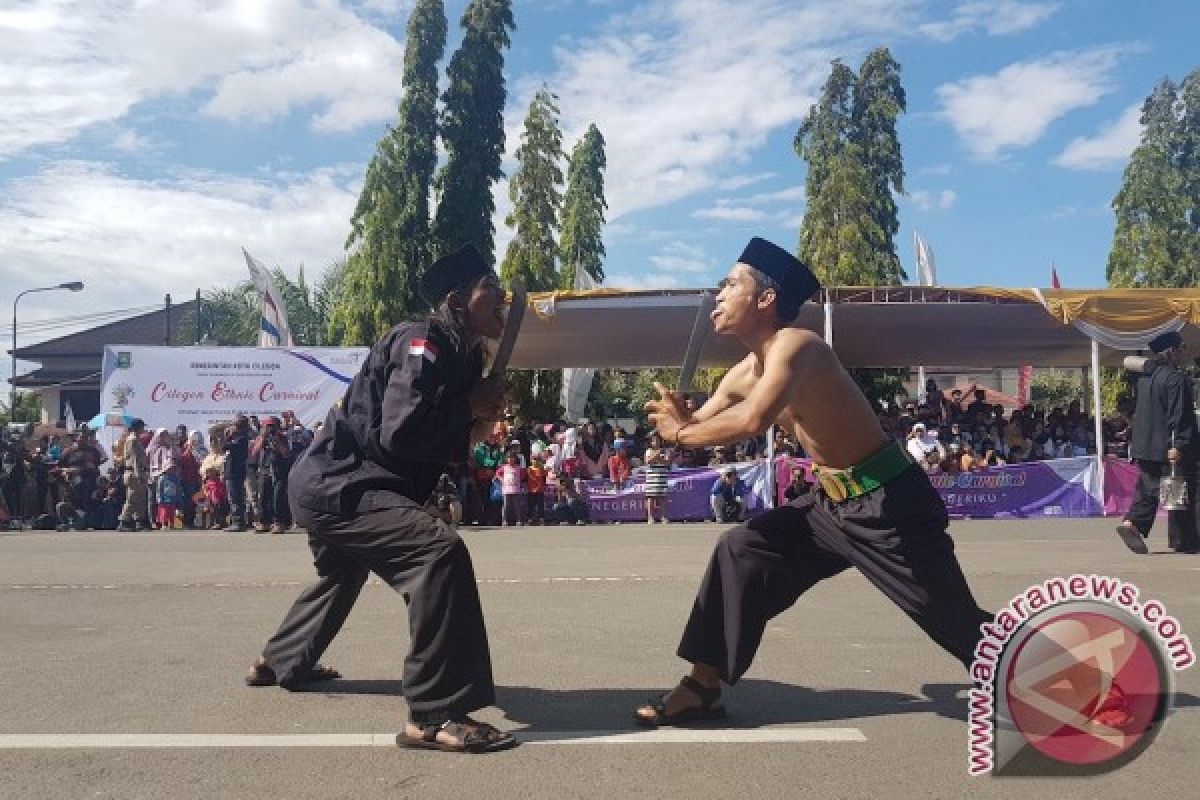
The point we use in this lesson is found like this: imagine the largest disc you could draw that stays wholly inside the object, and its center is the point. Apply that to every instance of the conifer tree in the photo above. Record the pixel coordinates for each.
(390, 225)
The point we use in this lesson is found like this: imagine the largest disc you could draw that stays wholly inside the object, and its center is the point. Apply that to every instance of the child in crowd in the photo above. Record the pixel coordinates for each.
(204, 514)
(512, 484)
(170, 497)
(658, 467)
(535, 477)
(570, 505)
(217, 496)
(619, 467)
(445, 502)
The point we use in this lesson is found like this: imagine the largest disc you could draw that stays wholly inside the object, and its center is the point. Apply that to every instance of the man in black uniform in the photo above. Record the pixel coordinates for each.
(360, 490)
(1165, 409)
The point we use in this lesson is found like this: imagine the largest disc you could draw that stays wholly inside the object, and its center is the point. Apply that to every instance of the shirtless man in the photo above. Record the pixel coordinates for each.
(871, 508)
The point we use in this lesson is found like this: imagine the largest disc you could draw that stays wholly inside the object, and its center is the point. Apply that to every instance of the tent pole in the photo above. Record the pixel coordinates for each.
(828, 320)
(772, 491)
(1097, 410)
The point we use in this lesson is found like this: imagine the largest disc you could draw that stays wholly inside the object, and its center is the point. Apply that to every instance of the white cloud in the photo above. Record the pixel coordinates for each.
(70, 64)
(736, 182)
(133, 240)
(786, 195)
(643, 280)
(679, 256)
(1015, 106)
(997, 17)
(730, 213)
(1109, 148)
(926, 200)
(130, 141)
(686, 91)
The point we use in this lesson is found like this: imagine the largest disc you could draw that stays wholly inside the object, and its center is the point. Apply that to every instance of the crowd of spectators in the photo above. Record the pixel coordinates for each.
(950, 433)
(235, 476)
(232, 476)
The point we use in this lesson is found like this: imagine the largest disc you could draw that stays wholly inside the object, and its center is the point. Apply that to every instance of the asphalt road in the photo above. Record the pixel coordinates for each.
(150, 634)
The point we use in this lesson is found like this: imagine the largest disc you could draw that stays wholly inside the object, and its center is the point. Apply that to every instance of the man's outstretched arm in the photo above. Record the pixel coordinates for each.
(765, 400)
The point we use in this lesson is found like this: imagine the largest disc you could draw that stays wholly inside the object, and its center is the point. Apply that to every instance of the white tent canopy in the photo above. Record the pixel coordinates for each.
(888, 327)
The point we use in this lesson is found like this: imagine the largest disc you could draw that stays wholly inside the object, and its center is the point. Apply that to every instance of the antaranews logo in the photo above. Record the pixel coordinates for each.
(1074, 677)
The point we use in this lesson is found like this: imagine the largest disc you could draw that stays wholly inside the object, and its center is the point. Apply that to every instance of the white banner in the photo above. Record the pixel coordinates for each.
(202, 386)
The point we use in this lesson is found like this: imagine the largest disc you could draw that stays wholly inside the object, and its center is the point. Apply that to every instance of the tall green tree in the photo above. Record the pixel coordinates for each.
(879, 100)
(855, 165)
(536, 194)
(1152, 239)
(582, 243)
(1189, 163)
(472, 128)
(390, 225)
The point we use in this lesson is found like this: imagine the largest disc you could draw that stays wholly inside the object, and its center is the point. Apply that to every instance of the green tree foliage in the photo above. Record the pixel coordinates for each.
(472, 128)
(855, 165)
(29, 408)
(878, 101)
(582, 242)
(390, 225)
(1054, 389)
(536, 194)
(1155, 242)
(230, 315)
(1189, 163)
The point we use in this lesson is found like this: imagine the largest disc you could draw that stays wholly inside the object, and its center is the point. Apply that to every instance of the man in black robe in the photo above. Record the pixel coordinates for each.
(1164, 434)
(360, 489)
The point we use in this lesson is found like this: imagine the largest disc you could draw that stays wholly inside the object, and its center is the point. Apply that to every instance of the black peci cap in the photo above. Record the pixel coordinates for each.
(797, 282)
(454, 271)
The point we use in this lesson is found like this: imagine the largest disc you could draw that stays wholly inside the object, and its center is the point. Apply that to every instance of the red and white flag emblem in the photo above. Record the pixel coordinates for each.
(423, 347)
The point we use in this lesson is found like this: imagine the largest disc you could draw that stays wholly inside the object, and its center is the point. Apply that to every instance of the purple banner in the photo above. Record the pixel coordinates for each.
(687, 499)
(1065, 487)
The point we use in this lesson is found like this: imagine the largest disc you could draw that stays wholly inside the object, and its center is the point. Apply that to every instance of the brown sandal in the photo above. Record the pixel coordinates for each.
(262, 675)
(473, 737)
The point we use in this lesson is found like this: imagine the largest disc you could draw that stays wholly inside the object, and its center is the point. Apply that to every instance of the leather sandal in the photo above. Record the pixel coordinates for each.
(710, 707)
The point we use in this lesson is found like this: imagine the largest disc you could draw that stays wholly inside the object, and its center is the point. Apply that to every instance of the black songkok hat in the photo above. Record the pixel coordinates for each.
(796, 281)
(1165, 341)
(455, 271)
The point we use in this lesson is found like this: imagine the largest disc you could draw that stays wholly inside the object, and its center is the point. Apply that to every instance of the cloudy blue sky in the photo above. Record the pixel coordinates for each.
(142, 143)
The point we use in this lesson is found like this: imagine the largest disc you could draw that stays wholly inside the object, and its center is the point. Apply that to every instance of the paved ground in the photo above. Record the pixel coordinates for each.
(151, 633)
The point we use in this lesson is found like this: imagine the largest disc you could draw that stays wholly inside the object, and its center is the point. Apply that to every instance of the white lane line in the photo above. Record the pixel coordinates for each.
(58, 741)
(373, 582)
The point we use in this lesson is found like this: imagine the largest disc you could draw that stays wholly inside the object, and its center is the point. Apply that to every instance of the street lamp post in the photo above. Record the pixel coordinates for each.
(73, 286)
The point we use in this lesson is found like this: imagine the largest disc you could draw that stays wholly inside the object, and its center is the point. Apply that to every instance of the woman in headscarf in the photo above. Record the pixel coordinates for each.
(162, 455)
(921, 443)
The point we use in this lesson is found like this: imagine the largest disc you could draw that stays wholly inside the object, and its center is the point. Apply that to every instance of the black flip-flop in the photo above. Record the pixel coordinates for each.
(709, 708)
(1132, 538)
(473, 738)
(262, 675)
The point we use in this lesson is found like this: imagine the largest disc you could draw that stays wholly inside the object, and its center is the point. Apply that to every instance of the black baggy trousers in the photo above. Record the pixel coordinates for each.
(896, 536)
(1182, 525)
(448, 670)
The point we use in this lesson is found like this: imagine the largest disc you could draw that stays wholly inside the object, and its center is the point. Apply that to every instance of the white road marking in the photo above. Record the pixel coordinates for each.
(25, 587)
(58, 741)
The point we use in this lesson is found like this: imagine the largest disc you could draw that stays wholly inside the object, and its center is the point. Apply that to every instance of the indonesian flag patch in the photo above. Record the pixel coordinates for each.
(423, 347)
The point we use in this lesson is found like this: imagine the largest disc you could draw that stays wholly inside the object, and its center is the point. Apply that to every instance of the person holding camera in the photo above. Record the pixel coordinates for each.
(273, 453)
(1164, 436)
